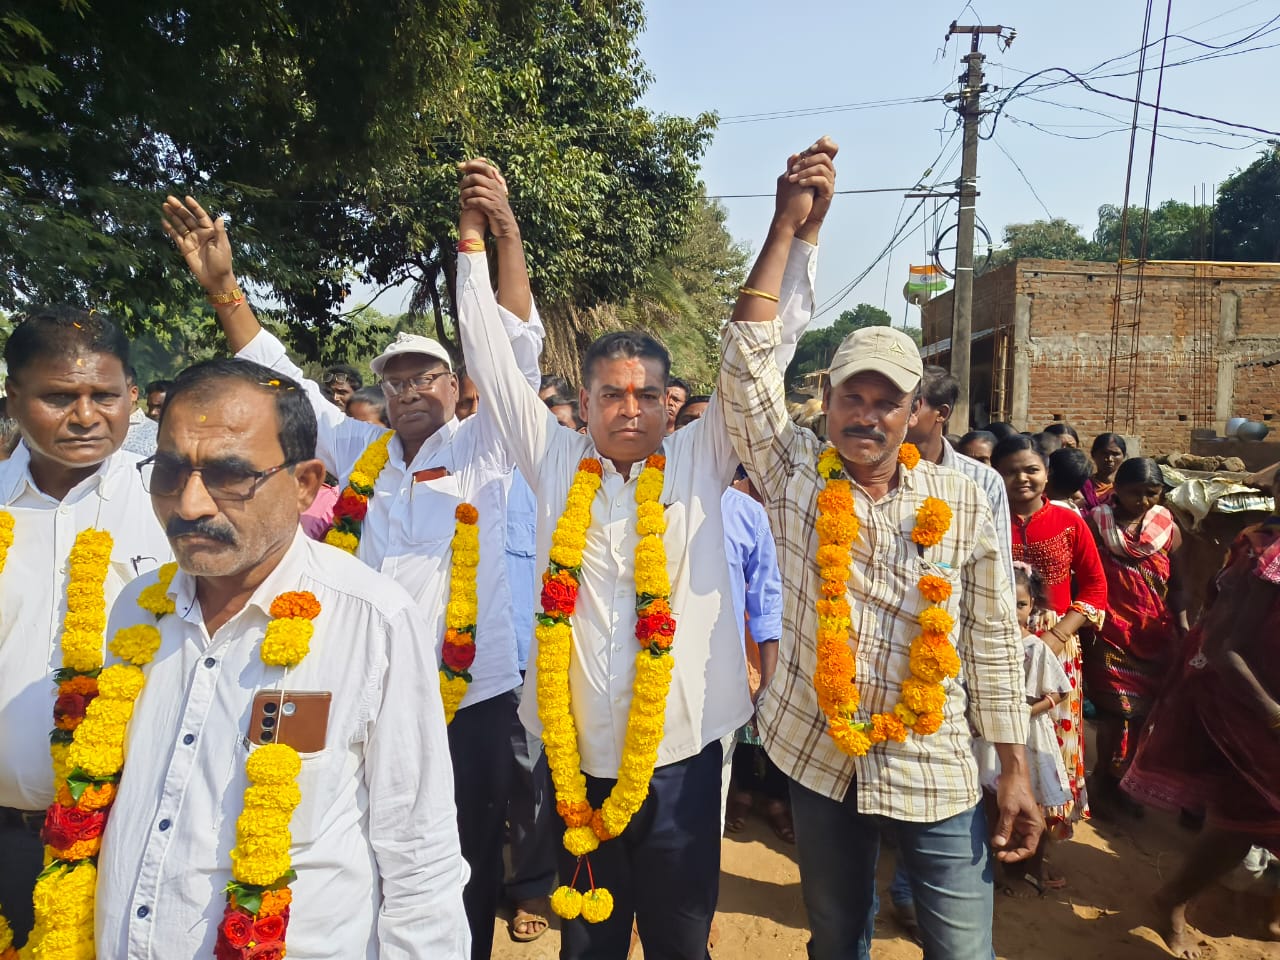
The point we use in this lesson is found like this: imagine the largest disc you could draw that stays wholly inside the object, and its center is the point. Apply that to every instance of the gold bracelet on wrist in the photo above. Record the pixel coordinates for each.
(762, 294)
(234, 295)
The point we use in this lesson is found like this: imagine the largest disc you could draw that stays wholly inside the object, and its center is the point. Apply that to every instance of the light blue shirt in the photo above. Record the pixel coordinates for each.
(522, 559)
(753, 565)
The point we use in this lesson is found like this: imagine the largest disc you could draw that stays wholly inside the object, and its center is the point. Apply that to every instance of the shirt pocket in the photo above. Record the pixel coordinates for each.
(522, 532)
(431, 507)
(314, 777)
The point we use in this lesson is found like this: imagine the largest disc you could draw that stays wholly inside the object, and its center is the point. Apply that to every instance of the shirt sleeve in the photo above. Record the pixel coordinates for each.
(795, 299)
(991, 645)
(339, 439)
(413, 824)
(754, 404)
(509, 396)
(764, 580)
(1086, 569)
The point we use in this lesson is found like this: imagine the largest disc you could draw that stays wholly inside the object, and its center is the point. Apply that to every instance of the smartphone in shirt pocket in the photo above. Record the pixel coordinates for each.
(296, 718)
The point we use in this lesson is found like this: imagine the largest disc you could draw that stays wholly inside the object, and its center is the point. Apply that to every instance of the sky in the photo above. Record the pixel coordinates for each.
(780, 75)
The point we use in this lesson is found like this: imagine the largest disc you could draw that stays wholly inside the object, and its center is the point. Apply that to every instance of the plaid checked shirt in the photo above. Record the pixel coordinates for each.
(925, 779)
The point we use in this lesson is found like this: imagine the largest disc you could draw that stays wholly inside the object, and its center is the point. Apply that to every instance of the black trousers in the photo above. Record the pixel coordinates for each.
(480, 748)
(21, 859)
(663, 871)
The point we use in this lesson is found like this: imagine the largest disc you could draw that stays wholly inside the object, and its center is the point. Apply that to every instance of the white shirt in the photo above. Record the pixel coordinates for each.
(410, 523)
(992, 484)
(33, 600)
(375, 839)
(708, 696)
(522, 562)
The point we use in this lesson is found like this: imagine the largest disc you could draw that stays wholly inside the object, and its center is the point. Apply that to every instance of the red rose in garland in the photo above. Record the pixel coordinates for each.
(458, 656)
(559, 596)
(64, 826)
(237, 927)
(267, 951)
(351, 505)
(268, 929)
(68, 710)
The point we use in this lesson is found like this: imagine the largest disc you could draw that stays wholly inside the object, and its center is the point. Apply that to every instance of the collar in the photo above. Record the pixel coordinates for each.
(137, 416)
(1018, 521)
(948, 455)
(607, 464)
(430, 449)
(288, 574)
(107, 481)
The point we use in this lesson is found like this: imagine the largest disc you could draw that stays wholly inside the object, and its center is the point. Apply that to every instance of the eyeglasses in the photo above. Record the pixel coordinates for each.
(163, 477)
(332, 378)
(394, 386)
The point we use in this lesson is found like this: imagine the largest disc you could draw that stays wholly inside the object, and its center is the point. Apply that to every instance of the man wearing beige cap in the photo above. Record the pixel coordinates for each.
(898, 629)
(420, 473)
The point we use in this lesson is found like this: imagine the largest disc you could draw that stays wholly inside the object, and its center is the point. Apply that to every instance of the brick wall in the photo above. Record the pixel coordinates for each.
(1070, 343)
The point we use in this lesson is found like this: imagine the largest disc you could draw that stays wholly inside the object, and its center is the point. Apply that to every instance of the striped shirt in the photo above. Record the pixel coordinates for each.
(928, 778)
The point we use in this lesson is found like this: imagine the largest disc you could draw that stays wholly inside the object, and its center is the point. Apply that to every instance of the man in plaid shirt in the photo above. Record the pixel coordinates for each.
(923, 791)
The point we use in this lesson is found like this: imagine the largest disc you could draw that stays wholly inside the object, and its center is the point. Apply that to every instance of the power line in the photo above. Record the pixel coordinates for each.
(1034, 193)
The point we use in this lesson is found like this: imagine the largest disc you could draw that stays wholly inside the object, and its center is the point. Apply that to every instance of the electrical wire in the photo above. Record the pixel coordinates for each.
(1043, 206)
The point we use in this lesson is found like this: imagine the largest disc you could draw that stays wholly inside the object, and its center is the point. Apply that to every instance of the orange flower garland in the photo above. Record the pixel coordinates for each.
(932, 657)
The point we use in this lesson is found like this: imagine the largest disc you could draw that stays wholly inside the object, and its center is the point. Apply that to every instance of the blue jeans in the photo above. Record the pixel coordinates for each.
(949, 864)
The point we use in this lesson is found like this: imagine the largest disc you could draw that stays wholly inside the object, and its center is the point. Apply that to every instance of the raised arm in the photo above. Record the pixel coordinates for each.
(796, 295)
(511, 401)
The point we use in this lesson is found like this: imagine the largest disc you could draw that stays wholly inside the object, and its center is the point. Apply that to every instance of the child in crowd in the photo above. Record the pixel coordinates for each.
(1069, 469)
(1058, 545)
(1046, 686)
(977, 445)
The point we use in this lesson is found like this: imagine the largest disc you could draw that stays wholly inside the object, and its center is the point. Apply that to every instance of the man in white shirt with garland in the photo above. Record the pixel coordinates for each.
(68, 389)
(286, 775)
(637, 668)
(403, 520)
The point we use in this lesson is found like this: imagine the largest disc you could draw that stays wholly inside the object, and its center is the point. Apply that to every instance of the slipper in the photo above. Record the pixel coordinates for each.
(779, 817)
(525, 918)
(735, 818)
(1036, 885)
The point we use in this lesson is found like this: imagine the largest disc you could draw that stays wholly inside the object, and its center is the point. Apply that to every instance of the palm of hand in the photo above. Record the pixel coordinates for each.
(206, 253)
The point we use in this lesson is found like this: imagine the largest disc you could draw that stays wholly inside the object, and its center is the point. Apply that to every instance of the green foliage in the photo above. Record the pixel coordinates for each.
(1248, 212)
(1175, 231)
(817, 347)
(1054, 239)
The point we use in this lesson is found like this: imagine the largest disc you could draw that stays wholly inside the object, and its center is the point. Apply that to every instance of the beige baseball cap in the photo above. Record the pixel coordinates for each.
(411, 343)
(882, 350)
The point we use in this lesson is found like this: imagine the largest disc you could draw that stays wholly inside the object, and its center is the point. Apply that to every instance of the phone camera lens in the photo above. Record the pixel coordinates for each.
(268, 723)
(267, 736)
(269, 707)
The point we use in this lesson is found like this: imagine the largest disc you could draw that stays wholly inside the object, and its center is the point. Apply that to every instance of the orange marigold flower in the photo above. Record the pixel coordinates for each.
(836, 497)
(933, 519)
(834, 588)
(657, 461)
(466, 513)
(838, 607)
(275, 902)
(658, 607)
(888, 726)
(297, 603)
(936, 620)
(97, 796)
(935, 589)
(81, 685)
(597, 823)
(832, 555)
(591, 465)
(926, 724)
(574, 814)
(908, 455)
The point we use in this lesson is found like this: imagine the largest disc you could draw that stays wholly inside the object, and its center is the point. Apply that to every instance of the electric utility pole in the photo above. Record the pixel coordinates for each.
(962, 303)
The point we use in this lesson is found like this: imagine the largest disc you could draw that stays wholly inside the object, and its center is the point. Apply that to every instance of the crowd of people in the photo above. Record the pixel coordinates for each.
(320, 650)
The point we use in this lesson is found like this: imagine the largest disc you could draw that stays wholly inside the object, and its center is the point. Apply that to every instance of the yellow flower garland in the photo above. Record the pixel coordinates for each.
(932, 658)
(88, 767)
(585, 827)
(6, 541)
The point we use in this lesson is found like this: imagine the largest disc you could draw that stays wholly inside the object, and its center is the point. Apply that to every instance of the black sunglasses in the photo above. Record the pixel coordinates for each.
(163, 477)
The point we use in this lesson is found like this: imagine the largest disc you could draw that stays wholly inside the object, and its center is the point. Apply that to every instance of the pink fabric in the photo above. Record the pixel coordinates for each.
(318, 517)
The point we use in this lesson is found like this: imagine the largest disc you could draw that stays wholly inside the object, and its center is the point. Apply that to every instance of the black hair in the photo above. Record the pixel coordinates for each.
(375, 398)
(627, 344)
(1000, 429)
(1069, 468)
(698, 398)
(1025, 576)
(345, 370)
(562, 386)
(1047, 443)
(681, 383)
(977, 436)
(1104, 440)
(61, 331)
(1011, 445)
(1063, 430)
(1139, 470)
(296, 421)
(560, 401)
(159, 386)
(938, 388)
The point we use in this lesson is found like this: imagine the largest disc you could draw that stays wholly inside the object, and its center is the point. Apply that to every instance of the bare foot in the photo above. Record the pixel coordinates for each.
(1177, 935)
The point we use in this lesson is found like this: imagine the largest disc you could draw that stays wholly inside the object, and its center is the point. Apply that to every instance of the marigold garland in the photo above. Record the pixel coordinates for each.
(91, 717)
(6, 541)
(931, 659)
(586, 828)
(353, 503)
(256, 916)
(458, 651)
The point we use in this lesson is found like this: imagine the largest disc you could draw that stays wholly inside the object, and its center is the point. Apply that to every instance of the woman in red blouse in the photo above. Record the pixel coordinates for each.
(1056, 542)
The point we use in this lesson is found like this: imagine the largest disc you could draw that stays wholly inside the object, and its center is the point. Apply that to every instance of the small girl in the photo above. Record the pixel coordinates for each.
(1046, 687)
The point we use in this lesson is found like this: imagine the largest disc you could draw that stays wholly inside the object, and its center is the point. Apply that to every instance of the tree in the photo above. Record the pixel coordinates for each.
(1248, 211)
(1054, 239)
(1175, 231)
(817, 347)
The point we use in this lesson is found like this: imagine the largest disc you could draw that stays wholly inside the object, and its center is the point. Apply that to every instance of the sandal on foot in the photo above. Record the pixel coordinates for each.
(534, 924)
(779, 816)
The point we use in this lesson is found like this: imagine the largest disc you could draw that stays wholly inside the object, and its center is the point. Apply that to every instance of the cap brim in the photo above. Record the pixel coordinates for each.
(379, 362)
(902, 378)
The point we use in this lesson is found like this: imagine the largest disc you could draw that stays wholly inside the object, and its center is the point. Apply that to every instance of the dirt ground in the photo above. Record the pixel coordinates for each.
(1111, 870)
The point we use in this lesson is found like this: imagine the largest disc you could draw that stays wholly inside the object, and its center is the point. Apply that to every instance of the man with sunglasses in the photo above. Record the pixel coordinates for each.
(339, 383)
(68, 390)
(373, 842)
(434, 464)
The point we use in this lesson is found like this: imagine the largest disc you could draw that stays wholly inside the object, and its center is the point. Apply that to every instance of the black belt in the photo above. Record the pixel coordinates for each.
(29, 820)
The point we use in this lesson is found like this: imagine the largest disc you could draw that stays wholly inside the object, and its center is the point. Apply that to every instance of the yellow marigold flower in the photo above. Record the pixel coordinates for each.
(342, 540)
(276, 796)
(830, 465)
(927, 724)
(6, 932)
(567, 557)
(82, 651)
(256, 823)
(905, 714)
(273, 763)
(936, 620)
(580, 841)
(120, 682)
(99, 762)
(566, 902)
(935, 589)
(597, 905)
(360, 481)
(452, 691)
(263, 871)
(922, 697)
(286, 642)
(58, 754)
(909, 455)
(137, 644)
(933, 519)
(849, 737)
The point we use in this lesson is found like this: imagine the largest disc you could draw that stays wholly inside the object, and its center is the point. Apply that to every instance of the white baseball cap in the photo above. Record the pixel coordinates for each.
(405, 343)
(881, 350)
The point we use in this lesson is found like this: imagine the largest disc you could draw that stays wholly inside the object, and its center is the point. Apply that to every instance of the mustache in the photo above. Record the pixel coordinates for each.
(864, 433)
(178, 527)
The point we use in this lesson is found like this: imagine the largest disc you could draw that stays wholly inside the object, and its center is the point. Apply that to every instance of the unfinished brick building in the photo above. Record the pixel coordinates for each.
(1042, 342)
